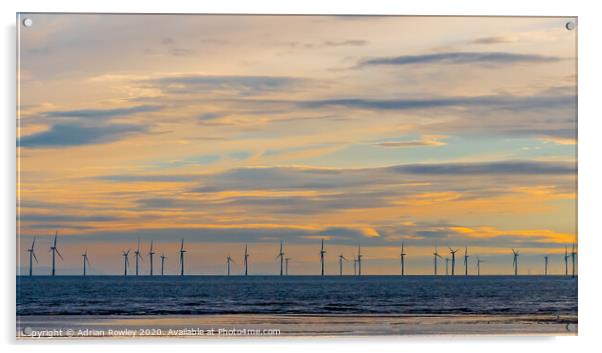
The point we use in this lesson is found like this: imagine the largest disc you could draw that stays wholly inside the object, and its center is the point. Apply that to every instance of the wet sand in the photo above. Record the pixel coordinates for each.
(229, 326)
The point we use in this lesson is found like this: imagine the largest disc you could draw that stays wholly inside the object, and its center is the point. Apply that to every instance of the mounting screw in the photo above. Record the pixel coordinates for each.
(570, 25)
(28, 22)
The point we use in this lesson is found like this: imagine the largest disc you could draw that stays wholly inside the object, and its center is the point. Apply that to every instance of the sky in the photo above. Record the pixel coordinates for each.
(363, 131)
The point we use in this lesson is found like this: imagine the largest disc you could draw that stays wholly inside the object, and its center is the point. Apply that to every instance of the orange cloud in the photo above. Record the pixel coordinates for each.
(545, 235)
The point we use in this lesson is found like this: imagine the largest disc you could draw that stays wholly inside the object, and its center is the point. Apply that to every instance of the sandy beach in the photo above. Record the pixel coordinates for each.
(229, 326)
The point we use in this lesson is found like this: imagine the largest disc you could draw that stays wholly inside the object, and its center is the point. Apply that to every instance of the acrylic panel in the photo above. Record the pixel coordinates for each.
(246, 175)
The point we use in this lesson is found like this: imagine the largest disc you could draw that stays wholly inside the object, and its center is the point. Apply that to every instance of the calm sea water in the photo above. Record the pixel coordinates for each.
(174, 295)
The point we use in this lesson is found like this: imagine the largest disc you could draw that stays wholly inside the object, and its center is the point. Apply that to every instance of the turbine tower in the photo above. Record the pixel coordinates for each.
(515, 261)
(402, 255)
(453, 259)
(435, 256)
(479, 265)
(32, 256)
(246, 259)
(566, 261)
(286, 265)
(85, 260)
(138, 256)
(466, 261)
(163, 257)
(359, 260)
(55, 251)
(150, 257)
(126, 262)
(229, 260)
(281, 256)
(341, 258)
(354, 266)
(573, 254)
(182, 251)
(322, 252)
(545, 269)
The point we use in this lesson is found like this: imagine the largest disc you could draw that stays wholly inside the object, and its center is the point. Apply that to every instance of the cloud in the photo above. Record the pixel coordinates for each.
(188, 161)
(351, 235)
(350, 42)
(209, 116)
(479, 58)
(425, 141)
(492, 40)
(65, 218)
(494, 168)
(245, 85)
(421, 234)
(157, 178)
(68, 135)
(560, 140)
(327, 43)
(101, 113)
(499, 102)
(299, 178)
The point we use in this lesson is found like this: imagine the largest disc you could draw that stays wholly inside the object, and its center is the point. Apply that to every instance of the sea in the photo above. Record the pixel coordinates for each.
(312, 295)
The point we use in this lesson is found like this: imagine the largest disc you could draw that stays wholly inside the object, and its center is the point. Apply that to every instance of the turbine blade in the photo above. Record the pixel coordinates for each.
(58, 253)
(34, 256)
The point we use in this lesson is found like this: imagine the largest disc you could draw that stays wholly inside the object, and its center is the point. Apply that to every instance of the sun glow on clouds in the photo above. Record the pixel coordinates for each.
(328, 129)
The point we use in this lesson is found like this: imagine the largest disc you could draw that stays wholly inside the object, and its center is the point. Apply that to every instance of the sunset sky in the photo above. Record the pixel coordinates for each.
(226, 130)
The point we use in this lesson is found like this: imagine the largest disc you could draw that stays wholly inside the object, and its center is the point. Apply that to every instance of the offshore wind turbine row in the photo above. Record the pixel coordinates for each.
(284, 261)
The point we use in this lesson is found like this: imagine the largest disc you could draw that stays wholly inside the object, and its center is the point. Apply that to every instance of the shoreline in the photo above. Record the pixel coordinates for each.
(282, 325)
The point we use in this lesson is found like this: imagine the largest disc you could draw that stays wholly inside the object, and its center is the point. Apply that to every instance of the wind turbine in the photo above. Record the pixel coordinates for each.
(322, 252)
(32, 256)
(138, 256)
(453, 259)
(515, 261)
(150, 257)
(479, 265)
(229, 260)
(54, 251)
(126, 262)
(402, 255)
(573, 254)
(545, 269)
(341, 258)
(466, 261)
(163, 257)
(435, 256)
(85, 259)
(281, 256)
(359, 260)
(286, 265)
(566, 261)
(182, 251)
(246, 259)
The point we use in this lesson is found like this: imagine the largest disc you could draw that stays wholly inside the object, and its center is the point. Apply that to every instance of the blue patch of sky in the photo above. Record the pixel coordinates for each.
(457, 147)
(279, 151)
(240, 155)
(187, 161)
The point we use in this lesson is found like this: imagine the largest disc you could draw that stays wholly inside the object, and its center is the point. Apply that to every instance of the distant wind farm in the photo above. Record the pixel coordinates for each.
(283, 261)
